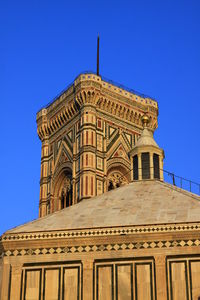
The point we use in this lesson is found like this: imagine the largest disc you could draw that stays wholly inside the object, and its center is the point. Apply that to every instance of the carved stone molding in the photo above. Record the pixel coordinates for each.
(16, 269)
(106, 247)
(160, 260)
(97, 232)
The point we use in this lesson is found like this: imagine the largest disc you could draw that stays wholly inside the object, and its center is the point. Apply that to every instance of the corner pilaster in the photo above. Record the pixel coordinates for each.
(16, 271)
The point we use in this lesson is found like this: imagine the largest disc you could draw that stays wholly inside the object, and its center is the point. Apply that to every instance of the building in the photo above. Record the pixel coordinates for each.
(87, 134)
(109, 227)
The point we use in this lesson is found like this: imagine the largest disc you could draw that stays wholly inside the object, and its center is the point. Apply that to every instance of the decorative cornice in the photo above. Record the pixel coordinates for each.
(47, 127)
(99, 232)
(112, 87)
(91, 89)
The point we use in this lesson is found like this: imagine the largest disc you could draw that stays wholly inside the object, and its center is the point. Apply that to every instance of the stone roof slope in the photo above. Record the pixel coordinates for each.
(138, 203)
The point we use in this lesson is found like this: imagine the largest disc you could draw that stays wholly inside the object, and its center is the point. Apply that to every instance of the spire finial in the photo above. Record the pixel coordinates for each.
(98, 55)
(145, 120)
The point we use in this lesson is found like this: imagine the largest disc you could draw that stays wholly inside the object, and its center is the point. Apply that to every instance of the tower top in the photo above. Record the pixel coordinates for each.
(87, 133)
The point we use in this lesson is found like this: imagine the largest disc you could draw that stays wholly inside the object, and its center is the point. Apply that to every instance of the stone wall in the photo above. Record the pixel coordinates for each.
(149, 278)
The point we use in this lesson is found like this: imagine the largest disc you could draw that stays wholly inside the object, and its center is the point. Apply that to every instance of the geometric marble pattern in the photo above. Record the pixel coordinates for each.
(105, 247)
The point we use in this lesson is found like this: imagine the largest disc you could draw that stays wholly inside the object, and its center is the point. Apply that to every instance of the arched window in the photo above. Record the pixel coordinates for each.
(48, 208)
(110, 186)
(62, 200)
(115, 180)
(66, 194)
(69, 197)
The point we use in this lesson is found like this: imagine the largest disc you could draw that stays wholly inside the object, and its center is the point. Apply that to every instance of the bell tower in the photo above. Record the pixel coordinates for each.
(87, 133)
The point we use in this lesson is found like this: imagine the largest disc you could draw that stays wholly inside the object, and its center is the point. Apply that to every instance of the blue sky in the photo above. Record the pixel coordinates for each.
(150, 46)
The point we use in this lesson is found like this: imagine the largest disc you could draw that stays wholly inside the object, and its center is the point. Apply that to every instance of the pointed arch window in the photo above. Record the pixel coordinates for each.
(66, 194)
(110, 186)
(62, 200)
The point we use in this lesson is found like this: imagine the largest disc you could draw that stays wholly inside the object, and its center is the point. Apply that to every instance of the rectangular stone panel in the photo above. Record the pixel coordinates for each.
(124, 282)
(32, 284)
(104, 283)
(178, 280)
(99, 142)
(195, 279)
(99, 163)
(99, 185)
(71, 283)
(143, 281)
(51, 284)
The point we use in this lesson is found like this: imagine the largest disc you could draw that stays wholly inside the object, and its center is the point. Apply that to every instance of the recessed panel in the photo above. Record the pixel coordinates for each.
(143, 288)
(195, 279)
(51, 284)
(71, 284)
(105, 282)
(124, 282)
(178, 281)
(32, 283)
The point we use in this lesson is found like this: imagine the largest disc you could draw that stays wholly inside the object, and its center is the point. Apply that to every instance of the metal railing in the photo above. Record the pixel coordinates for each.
(175, 180)
(121, 86)
(65, 89)
(182, 182)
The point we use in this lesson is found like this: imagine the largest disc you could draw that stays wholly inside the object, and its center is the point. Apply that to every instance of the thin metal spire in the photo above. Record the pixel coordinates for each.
(98, 55)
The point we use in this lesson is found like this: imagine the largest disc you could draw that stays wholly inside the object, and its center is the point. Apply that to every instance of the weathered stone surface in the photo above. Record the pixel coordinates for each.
(141, 202)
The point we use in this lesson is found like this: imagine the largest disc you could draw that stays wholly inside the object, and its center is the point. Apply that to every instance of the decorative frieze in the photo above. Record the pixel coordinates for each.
(98, 232)
(105, 247)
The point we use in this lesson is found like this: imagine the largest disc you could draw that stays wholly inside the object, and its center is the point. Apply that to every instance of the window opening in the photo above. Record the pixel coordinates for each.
(145, 166)
(135, 167)
(156, 166)
(110, 186)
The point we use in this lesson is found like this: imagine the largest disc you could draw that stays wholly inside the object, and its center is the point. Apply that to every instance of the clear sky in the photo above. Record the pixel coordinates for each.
(148, 45)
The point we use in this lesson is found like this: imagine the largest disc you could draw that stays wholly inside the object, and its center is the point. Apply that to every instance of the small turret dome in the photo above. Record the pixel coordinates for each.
(146, 139)
(146, 156)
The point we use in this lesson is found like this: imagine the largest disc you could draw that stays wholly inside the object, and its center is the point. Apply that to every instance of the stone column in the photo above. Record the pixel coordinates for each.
(88, 280)
(131, 168)
(161, 288)
(88, 151)
(74, 174)
(105, 163)
(161, 167)
(73, 192)
(15, 282)
(4, 292)
(43, 178)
